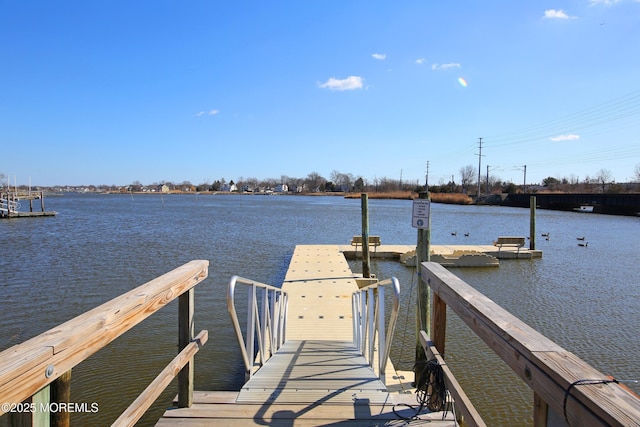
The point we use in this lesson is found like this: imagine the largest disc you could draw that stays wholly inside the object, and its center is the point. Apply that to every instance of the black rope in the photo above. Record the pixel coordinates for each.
(582, 382)
(431, 390)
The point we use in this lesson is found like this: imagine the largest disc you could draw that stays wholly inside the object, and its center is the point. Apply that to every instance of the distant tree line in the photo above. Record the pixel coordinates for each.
(466, 182)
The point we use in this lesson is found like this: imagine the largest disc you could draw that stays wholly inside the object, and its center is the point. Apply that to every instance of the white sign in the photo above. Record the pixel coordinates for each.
(421, 212)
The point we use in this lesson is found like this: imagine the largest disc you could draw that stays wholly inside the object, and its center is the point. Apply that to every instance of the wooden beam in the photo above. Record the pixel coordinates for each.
(546, 367)
(461, 400)
(23, 367)
(138, 407)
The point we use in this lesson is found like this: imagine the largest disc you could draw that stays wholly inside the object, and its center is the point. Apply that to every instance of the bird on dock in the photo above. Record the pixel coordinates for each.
(579, 238)
(584, 245)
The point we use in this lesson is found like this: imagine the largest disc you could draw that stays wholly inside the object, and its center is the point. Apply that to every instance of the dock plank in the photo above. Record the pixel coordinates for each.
(319, 283)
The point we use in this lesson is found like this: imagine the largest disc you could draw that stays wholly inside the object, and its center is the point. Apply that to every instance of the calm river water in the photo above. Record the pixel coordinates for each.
(100, 246)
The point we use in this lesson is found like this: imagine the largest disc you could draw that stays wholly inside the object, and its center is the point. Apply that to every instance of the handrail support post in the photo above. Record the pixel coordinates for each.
(185, 336)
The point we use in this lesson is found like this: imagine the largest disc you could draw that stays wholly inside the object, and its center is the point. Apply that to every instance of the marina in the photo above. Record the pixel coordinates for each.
(220, 272)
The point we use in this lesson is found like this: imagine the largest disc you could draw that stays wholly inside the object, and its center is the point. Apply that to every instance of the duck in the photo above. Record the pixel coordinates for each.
(466, 234)
(545, 234)
(584, 245)
(454, 233)
(580, 238)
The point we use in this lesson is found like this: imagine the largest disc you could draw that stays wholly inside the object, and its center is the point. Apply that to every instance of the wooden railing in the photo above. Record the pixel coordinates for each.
(567, 390)
(28, 370)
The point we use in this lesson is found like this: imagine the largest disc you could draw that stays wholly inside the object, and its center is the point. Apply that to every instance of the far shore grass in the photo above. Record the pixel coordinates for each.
(451, 198)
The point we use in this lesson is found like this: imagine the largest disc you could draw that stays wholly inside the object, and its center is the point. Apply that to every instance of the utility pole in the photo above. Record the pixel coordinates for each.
(524, 186)
(479, 162)
(426, 179)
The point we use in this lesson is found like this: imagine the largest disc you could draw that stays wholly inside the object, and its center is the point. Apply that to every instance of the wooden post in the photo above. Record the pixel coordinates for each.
(35, 418)
(42, 200)
(540, 411)
(366, 259)
(423, 315)
(185, 336)
(61, 393)
(439, 323)
(532, 223)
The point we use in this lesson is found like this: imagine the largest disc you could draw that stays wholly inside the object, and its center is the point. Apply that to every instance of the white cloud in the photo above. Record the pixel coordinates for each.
(209, 113)
(557, 14)
(379, 56)
(350, 83)
(420, 61)
(569, 137)
(604, 2)
(445, 66)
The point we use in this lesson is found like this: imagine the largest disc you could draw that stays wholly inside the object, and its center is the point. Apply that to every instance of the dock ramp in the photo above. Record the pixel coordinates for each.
(322, 354)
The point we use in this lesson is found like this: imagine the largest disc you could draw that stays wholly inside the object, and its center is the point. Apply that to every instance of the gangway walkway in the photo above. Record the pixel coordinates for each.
(319, 376)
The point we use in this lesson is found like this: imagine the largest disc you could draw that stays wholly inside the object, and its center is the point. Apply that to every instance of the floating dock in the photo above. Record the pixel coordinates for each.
(317, 377)
(10, 205)
(447, 255)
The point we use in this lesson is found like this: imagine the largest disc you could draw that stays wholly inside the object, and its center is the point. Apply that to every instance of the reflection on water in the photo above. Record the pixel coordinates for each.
(100, 246)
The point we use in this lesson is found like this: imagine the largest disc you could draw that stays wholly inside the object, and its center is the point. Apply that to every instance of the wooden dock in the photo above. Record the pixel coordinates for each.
(318, 377)
(10, 205)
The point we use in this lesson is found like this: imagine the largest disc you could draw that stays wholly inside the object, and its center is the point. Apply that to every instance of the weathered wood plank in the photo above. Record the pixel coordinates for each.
(66, 345)
(138, 407)
(545, 366)
(463, 403)
(318, 411)
(204, 422)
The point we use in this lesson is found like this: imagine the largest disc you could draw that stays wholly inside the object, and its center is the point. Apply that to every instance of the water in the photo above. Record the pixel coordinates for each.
(100, 246)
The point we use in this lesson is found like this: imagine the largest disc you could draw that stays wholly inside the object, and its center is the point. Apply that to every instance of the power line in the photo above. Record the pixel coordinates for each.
(612, 111)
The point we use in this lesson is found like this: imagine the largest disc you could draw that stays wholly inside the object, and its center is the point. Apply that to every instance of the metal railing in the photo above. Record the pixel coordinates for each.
(266, 321)
(8, 205)
(369, 321)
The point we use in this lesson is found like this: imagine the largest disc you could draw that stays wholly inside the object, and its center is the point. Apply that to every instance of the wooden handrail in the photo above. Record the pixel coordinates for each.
(30, 366)
(463, 404)
(547, 368)
(138, 407)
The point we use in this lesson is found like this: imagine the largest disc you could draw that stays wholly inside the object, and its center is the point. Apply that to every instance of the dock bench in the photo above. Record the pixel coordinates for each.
(509, 241)
(373, 241)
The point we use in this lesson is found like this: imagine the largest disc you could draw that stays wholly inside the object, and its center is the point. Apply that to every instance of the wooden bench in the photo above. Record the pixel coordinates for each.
(373, 241)
(509, 241)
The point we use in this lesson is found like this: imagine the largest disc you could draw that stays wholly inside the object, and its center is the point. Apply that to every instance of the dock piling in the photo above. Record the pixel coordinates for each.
(366, 258)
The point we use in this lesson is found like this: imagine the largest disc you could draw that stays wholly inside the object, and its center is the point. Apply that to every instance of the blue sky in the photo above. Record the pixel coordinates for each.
(112, 92)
